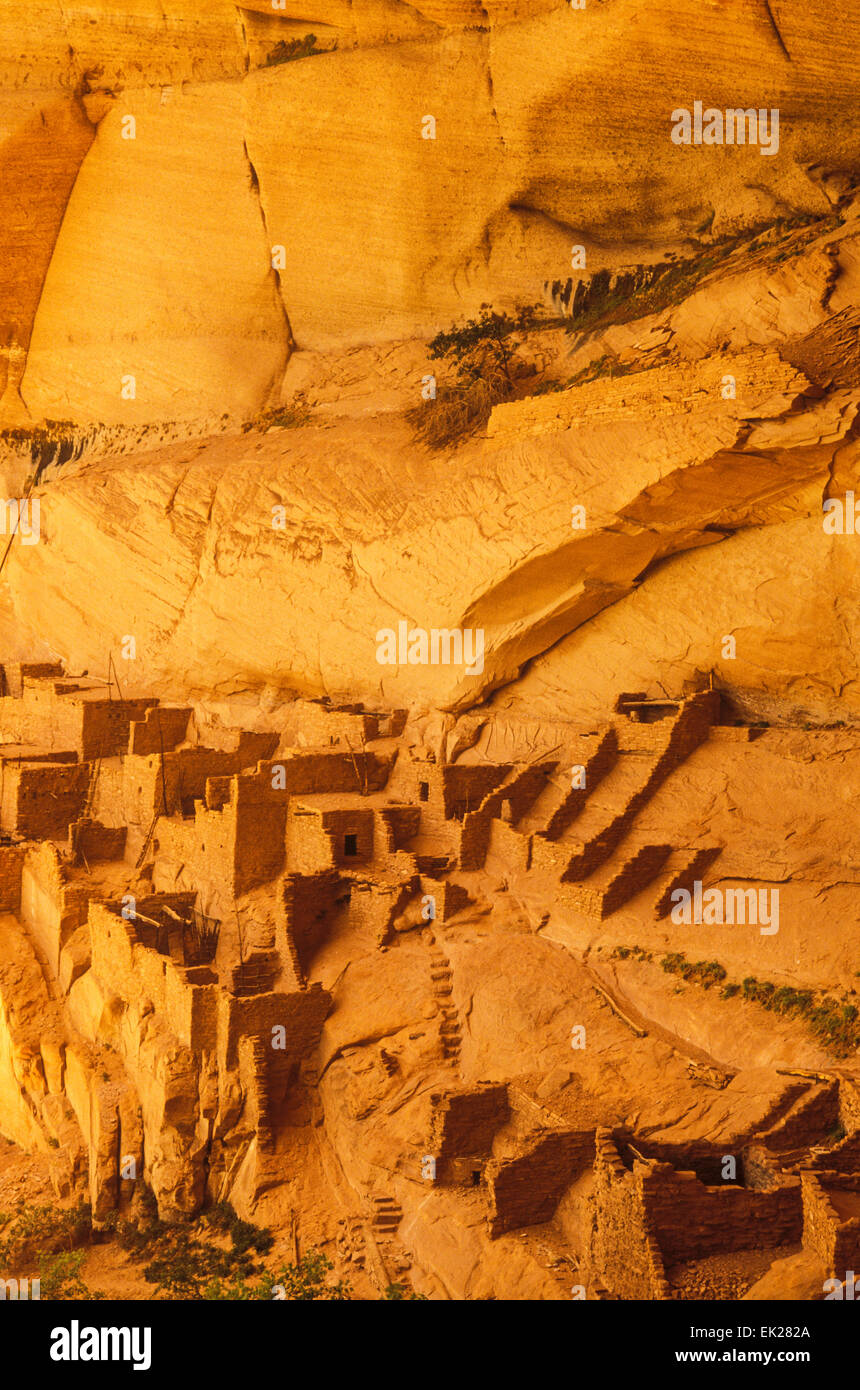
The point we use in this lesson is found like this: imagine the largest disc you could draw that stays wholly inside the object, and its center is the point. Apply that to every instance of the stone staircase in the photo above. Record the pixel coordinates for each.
(386, 1215)
(450, 1031)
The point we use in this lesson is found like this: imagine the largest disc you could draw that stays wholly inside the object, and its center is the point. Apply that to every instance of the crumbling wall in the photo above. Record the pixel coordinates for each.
(516, 793)
(691, 1220)
(624, 1249)
(525, 1190)
(465, 1120)
(309, 901)
(833, 1236)
(160, 730)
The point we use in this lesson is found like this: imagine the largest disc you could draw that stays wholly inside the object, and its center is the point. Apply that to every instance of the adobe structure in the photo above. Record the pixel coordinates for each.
(244, 964)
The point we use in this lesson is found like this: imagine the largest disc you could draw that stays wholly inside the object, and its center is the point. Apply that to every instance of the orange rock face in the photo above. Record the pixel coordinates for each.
(430, 680)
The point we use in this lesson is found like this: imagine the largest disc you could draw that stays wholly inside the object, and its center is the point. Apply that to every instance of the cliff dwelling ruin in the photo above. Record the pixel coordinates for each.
(429, 671)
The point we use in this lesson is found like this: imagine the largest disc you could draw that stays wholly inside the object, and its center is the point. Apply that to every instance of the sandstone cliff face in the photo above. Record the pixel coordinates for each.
(226, 254)
(384, 233)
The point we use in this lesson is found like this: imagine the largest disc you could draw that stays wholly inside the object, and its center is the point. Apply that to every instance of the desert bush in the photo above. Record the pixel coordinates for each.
(288, 50)
(833, 1023)
(41, 1231)
(485, 364)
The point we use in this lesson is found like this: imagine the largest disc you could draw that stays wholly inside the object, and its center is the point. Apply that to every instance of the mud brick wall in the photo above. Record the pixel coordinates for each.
(131, 970)
(547, 857)
(525, 1190)
(260, 827)
(450, 897)
(353, 821)
(820, 1221)
(106, 725)
(399, 824)
(520, 791)
(624, 1249)
(90, 841)
(464, 1121)
(205, 846)
(689, 728)
(50, 908)
(508, 851)
(160, 729)
(217, 793)
(44, 719)
(306, 773)
(322, 724)
(308, 849)
(43, 798)
(464, 788)
(190, 768)
(691, 1220)
(301, 1014)
(309, 902)
(15, 672)
(11, 865)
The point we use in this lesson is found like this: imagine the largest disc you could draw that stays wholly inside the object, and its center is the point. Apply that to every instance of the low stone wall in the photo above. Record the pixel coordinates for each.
(690, 1220)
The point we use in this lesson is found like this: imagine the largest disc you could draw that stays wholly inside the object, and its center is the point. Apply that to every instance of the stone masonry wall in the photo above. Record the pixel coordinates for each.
(624, 1249)
(525, 1190)
(691, 1220)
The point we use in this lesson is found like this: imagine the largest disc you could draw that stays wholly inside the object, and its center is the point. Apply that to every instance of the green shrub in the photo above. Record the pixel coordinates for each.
(42, 1231)
(288, 50)
(485, 363)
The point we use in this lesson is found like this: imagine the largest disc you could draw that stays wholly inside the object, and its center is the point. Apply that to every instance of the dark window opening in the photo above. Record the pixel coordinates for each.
(423, 791)
(476, 1177)
(350, 844)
